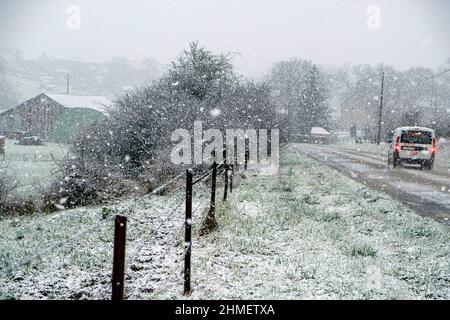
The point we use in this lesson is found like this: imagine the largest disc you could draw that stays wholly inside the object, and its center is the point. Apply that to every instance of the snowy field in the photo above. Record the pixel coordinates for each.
(31, 165)
(307, 233)
(372, 148)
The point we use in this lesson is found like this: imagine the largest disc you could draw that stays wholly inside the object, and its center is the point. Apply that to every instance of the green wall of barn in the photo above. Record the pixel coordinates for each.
(70, 122)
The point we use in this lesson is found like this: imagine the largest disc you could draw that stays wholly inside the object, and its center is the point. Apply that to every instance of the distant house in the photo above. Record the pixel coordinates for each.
(319, 135)
(319, 132)
(54, 117)
(358, 116)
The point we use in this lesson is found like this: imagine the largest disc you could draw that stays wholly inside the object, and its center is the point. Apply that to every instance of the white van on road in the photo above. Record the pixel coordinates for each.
(413, 145)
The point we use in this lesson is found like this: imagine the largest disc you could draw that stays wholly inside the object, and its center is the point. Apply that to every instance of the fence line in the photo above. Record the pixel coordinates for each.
(35, 157)
(119, 256)
(63, 243)
(60, 244)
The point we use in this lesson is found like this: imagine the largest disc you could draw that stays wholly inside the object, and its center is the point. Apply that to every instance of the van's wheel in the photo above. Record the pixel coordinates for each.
(396, 161)
(428, 164)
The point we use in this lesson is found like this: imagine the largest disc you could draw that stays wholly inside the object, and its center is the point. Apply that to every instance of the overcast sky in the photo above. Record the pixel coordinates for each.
(413, 32)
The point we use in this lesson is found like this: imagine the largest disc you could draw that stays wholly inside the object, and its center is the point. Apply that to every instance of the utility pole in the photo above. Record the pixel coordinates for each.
(433, 104)
(381, 109)
(67, 92)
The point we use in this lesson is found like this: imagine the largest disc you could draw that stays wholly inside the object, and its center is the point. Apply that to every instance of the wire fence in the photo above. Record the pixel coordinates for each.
(207, 179)
(31, 157)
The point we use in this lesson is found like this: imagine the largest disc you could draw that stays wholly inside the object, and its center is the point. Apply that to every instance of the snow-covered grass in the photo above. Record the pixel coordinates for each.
(78, 266)
(31, 165)
(306, 233)
(15, 151)
(366, 147)
(313, 233)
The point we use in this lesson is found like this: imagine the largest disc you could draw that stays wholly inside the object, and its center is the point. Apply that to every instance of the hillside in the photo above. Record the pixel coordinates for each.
(21, 79)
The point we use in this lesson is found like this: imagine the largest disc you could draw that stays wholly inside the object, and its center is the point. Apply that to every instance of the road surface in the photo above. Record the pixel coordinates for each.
(426, 192)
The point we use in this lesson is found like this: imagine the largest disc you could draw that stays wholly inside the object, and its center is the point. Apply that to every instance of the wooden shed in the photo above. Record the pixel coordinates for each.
(54, 117)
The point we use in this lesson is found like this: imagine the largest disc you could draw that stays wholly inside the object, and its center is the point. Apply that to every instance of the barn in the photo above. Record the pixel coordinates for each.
(54, 117)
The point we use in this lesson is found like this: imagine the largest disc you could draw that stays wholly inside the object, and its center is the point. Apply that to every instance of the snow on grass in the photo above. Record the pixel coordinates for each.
(31, 165)
(318, 234)
(365, 147)
(306, 233)
(81, 268)
(16, 151)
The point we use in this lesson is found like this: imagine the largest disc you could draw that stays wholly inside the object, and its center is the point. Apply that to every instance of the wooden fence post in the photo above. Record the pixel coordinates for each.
(225, 189)
(118, 273)
(210, 221)
(246, 157)
(231, 178)
(188, 234)
(212, 204)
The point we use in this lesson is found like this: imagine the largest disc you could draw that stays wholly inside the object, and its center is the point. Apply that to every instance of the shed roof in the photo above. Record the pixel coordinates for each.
(319, 131)
(99, 103)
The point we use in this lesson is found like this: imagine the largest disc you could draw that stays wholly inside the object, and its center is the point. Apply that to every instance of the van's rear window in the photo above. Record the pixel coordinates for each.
(419, 137)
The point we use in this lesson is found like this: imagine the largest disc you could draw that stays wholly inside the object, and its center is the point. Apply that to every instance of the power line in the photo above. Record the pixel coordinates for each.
(436, 75)
(370, 77)
(356, 85)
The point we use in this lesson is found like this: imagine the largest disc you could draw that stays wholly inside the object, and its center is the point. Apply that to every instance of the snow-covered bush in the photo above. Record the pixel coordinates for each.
(300, 93)
(85, 182)
(135, 140)
(11, 204)
(7, 185)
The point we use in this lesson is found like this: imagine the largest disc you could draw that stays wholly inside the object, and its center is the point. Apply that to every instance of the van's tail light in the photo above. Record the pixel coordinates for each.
(433, 147)
(397, 144)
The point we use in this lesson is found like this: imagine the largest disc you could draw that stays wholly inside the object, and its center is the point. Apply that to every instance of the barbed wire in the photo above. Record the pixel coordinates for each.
(61, 244)
(204, 176)
(208, 173)
(37, 157)
(169, 213)
(35, 182)
(162, 187)
(166, 213)
(58, 245)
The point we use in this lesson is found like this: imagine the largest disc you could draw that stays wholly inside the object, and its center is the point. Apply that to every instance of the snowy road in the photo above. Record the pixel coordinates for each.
(427, 192)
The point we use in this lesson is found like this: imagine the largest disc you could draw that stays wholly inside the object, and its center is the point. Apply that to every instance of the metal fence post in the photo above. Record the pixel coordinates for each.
(118, 273)
(188, 234)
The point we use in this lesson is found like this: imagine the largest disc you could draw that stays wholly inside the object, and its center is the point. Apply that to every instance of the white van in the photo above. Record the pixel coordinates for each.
(413, 145)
